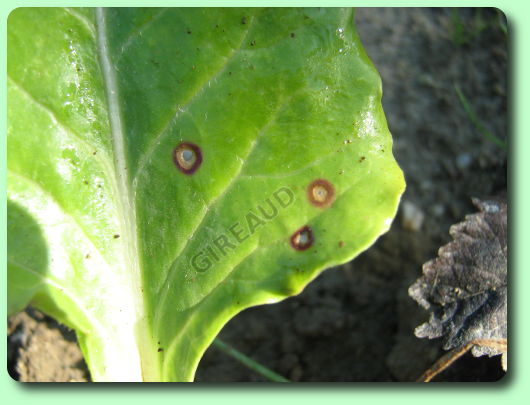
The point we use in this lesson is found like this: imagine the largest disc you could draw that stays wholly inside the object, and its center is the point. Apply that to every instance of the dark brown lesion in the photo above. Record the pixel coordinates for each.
(302, 239)
(321, 193)
(187, 157)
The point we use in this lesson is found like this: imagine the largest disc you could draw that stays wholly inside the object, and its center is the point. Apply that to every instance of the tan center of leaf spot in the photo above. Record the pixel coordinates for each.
(321, 193)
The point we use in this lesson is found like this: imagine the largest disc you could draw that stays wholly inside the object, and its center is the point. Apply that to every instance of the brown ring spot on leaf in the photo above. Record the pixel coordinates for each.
(187, 157)
(302, 239)
(321, 193)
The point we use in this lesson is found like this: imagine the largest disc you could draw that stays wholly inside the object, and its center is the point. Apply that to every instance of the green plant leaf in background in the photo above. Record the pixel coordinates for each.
(168, 168)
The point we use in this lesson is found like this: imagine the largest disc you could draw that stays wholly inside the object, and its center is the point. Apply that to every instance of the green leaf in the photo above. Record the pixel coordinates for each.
(162, 161)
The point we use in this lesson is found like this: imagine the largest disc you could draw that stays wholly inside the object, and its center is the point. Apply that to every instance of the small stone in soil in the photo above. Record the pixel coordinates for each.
(411, 216)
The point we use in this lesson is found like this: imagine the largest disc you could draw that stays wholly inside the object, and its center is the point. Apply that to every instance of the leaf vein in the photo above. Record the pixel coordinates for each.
(56, 202)
(292, 172)
(100, 157)
(229, 275)
(83, 20)
(213, 203)
(138, 32)
(180, 109)
(258, 247)
(203, 299)
(65, 291)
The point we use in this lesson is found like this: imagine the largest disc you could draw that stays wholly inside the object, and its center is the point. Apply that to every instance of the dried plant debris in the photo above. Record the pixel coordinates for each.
(465, 287)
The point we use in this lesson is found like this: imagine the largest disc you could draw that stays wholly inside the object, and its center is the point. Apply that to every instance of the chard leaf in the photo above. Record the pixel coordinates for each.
(168, 168)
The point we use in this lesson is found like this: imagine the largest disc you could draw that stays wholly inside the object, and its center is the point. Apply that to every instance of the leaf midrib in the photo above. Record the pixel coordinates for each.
(127, 216)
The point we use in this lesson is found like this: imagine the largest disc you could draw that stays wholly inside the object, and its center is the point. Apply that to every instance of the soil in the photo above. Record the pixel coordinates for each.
(356, 322)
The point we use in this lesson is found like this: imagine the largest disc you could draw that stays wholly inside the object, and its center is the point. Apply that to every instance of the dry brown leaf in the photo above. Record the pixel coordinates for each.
(465, 287)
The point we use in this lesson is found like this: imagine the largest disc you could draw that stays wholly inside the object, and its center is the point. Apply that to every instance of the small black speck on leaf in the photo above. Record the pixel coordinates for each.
(252, 43)
(160, 350)
(243, 20)
(465, 287)
(292, 35)
(116, 236)
(189, 31)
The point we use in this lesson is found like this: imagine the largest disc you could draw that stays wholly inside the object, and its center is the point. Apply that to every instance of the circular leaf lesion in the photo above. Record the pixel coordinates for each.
(187, 157)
